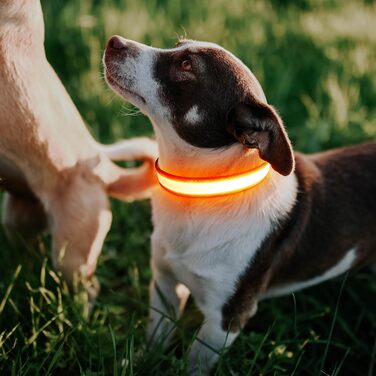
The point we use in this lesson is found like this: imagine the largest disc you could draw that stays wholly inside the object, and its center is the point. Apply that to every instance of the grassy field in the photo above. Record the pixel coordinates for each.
(316, 62)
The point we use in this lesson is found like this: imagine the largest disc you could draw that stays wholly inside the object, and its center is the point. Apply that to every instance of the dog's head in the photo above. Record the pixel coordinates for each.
(207, 95)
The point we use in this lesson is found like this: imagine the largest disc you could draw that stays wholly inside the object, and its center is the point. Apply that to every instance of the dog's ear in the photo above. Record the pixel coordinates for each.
(257, 125)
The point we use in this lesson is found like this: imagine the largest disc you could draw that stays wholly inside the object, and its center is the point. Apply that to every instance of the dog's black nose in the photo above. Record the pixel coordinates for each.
(117, 43)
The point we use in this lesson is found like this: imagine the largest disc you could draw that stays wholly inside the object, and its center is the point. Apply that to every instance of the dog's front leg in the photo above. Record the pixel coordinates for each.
(207, 347)
(167, 300)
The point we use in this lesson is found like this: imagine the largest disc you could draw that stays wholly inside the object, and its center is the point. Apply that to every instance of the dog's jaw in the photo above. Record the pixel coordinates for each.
(131, 96)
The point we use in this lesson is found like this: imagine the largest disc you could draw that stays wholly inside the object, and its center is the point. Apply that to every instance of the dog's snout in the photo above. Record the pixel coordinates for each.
(120, 48)
(117, 43)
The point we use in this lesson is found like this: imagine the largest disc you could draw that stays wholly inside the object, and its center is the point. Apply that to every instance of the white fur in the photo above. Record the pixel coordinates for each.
(192, 116)
(139, 66)
(341, 267)
(207, 246)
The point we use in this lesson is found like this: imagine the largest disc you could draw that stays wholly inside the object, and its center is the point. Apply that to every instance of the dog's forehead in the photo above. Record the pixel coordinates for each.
(224, 55)
(198, 47)
(215, 52)
(195, 45)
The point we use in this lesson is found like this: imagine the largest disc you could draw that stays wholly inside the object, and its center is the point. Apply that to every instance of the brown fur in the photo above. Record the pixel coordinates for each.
(334, 212)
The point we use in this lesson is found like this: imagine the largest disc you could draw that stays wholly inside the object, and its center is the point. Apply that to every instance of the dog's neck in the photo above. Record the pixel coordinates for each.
(277, 193)
(180, 158)
(21, 28)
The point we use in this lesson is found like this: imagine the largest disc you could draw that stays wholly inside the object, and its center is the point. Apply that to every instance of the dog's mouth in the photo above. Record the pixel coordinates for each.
(124, 91)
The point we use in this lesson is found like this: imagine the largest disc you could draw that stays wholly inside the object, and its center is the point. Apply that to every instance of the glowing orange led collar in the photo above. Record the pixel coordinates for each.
(209, 187)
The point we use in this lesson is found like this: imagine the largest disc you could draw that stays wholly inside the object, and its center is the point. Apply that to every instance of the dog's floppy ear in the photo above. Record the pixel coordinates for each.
(257, 125)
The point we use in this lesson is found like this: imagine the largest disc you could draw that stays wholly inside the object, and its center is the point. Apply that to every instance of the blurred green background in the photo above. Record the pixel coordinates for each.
(314, 59)
(316, 62)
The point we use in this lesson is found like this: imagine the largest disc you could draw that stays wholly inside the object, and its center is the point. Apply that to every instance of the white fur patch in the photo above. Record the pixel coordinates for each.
(192, 116)
(135, 75)
(214, 240)
(146, 85)
(207, 245)
(342, 266)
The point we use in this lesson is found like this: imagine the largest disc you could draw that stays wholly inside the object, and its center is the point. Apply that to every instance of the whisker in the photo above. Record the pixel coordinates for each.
(128, 111)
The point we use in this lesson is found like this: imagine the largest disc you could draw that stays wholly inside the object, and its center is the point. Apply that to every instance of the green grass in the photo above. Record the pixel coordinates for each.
(316, 62)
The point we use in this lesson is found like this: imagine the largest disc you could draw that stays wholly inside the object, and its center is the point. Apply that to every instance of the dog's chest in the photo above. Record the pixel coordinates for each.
(207, 246)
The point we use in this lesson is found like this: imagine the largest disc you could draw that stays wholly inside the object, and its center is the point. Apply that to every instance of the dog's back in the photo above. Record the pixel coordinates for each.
(349, 198)
(335, 210)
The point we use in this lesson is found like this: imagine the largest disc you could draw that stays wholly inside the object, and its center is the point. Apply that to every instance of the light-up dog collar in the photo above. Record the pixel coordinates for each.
(209, 187)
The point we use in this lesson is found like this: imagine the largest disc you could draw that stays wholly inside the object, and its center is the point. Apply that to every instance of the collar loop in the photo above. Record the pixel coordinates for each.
(211, 187)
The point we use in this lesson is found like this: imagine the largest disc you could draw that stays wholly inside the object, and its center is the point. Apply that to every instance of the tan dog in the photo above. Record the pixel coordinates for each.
(52, 169)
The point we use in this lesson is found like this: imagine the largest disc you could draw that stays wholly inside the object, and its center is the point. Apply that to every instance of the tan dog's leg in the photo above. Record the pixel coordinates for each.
(23, 218)
(132, 183)
(80, 219)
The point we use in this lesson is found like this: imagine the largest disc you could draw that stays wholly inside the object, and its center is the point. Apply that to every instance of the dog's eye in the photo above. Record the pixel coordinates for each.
(186, 65)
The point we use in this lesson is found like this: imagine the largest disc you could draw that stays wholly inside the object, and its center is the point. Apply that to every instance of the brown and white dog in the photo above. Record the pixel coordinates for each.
(312, 218)
(50, 166)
